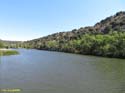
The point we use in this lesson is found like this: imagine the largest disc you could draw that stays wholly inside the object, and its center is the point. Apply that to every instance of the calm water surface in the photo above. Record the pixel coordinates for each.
(35, 71)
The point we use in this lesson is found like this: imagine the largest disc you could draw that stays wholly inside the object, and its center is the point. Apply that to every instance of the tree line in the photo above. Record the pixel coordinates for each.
(106, 38)
(110, 45)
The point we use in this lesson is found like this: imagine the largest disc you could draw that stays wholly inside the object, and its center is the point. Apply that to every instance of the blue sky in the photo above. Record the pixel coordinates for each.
(30, 19)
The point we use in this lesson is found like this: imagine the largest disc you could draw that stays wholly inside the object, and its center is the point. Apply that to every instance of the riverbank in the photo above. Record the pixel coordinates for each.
(7, 52)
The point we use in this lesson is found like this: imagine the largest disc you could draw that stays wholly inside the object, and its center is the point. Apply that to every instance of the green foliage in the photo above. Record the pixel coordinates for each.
(8, 52)
(106, 38)
(1, 44)
(110, 45)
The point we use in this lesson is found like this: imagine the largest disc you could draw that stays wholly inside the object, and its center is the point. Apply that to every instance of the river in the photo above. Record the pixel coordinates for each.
(37, 71)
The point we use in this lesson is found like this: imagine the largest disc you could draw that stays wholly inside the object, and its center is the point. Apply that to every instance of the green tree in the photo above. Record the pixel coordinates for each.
(1, 44)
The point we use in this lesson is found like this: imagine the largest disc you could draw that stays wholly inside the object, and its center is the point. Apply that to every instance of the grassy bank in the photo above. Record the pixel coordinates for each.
(8, 52)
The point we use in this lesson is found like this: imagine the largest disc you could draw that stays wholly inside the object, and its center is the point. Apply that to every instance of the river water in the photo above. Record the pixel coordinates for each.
(36, 71)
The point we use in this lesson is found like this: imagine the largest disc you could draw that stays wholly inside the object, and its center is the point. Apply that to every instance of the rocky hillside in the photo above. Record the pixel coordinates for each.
(106, 38)
(112, 23)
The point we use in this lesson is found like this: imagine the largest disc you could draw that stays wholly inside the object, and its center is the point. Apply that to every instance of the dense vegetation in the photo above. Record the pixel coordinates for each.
(4, 52)
(106, 38)
(12, 44)
(1, 44)
(110, 45)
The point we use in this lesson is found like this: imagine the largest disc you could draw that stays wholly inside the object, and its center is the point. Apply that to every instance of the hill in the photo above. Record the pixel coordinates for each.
(106, 38)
